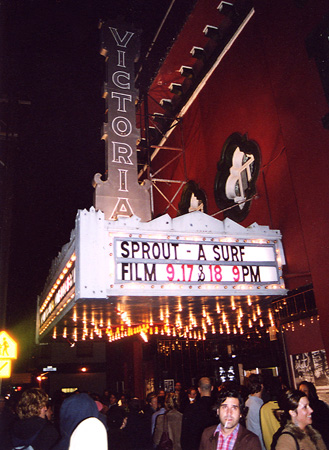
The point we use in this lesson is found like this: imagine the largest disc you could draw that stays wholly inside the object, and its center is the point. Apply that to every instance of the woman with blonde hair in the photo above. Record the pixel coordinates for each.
(33, 428)
(171, 421)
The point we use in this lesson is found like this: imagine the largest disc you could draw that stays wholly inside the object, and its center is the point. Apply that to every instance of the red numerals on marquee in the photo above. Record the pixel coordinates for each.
(185, 271)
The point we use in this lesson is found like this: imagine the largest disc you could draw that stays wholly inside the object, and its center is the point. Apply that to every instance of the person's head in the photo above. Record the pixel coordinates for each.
(152, 400)
(309, 389)
(192, 394)
(273, 388)
(113, 399)
(255, 383)
(229, 408)
(171, 401)
(32, 403)
(205, 387)
(73, 410)
(297, 408)
(178, 386)
(135, 405)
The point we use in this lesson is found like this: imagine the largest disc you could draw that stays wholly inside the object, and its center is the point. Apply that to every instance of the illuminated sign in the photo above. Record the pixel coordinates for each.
(5, 368)
(190, 262)
(58, 293)
(8, 347)
(121, 195)
(237, 173)
(128, 258)
(8, 351)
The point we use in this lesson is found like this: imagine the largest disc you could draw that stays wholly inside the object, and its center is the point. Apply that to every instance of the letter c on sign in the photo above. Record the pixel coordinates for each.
(116, 79)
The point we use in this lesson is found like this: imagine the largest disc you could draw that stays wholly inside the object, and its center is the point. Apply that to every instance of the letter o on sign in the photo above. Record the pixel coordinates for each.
(121, 126)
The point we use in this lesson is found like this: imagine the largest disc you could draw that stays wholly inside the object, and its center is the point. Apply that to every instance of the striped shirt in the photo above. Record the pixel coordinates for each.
(226, 442)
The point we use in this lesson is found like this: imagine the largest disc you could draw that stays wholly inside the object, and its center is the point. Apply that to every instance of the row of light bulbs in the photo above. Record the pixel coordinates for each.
(291, 326)
(233, 321)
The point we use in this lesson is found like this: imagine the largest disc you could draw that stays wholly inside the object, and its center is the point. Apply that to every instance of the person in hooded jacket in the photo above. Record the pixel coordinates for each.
(33, 428)
(74, 410)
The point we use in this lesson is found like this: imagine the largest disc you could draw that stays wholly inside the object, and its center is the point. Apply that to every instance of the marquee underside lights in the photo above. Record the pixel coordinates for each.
(187, 276)
(188, 318)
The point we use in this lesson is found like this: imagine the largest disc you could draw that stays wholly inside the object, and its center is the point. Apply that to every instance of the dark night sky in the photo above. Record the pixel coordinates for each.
(51, 58)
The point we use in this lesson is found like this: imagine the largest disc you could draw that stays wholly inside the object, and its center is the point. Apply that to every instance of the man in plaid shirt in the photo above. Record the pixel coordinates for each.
(229, 434)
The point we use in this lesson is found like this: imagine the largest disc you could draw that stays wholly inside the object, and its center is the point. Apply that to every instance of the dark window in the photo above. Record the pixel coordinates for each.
(85, 349)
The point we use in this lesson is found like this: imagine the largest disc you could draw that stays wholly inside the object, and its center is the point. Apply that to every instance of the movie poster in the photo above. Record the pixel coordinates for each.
(313, 367)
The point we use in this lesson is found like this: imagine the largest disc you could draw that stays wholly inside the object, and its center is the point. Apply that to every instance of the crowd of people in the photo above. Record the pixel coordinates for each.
(257, 416)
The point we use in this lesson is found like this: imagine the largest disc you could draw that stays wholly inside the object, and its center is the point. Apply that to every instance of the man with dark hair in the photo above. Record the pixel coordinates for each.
(229, 434)
(198, 416)
(254, 403)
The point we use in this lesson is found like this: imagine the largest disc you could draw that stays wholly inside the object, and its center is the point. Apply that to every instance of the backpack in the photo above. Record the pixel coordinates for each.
(278, 434)
(165, 441)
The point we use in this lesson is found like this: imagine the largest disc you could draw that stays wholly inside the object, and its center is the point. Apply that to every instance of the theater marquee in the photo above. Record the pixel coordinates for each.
(193, 256)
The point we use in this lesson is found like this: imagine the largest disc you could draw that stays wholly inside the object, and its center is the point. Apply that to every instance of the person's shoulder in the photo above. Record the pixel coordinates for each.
(209, 431)
(286, 440)
(248, 436)
(90, 433)
(48, 430)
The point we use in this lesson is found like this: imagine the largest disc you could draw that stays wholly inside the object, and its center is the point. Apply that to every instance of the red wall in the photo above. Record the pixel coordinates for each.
(266, 87)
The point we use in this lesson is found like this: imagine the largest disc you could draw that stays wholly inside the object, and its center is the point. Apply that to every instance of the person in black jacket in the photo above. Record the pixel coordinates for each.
(198, 416)
(33, 428)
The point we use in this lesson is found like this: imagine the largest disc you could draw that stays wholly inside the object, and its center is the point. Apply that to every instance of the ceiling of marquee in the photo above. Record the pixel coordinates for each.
(186, 317)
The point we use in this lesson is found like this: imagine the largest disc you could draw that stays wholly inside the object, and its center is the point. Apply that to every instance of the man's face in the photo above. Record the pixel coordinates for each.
(43, 411)
(178, 387)
(154, 402)
(229, 414)
(193, 394)
(113, 399)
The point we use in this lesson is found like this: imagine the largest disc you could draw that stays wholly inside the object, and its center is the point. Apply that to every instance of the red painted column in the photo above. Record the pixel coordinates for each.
(138, 368)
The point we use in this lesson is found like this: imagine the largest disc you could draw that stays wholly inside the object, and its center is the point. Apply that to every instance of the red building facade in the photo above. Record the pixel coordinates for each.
(257, 75)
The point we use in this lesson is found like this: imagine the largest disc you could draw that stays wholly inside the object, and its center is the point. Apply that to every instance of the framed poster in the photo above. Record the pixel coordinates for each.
(313, 367)
(169, 385)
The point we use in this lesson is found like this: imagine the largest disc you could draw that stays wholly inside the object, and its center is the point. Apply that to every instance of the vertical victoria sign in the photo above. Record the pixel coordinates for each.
(121, 194)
